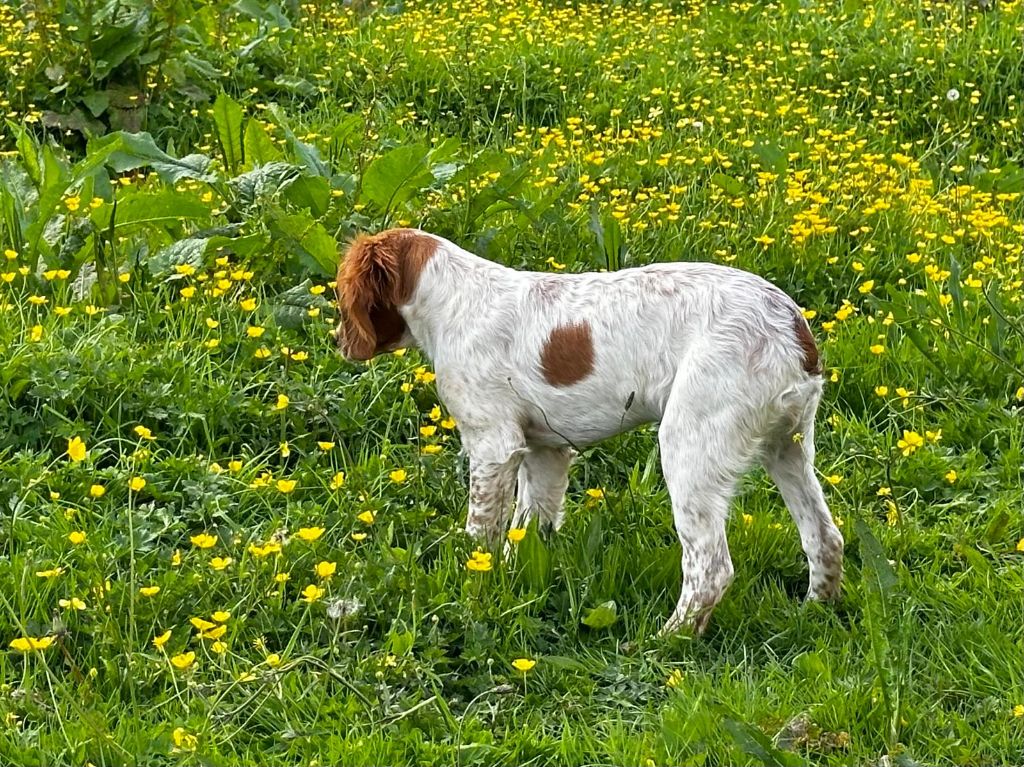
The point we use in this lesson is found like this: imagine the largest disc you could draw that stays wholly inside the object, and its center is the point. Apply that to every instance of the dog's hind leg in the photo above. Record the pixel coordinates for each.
(543, 478)
(708, 437)
(789, 460)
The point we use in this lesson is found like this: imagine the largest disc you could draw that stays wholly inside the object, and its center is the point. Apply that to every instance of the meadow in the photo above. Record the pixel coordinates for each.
(222, 544)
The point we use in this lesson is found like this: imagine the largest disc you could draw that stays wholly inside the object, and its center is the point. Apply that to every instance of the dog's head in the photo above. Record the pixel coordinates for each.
(379, 273)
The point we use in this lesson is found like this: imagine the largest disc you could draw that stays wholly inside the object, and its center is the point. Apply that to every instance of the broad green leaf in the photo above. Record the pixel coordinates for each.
(307, 239)
(602, 616)
(263, 182)
(771, 157)
(166, 206)
(257, 146)
(534, 562)
(396, 176)
(188, 251)
(227, 116)
(727, 183)
(310, 192)
(28, 151)
(877, 570)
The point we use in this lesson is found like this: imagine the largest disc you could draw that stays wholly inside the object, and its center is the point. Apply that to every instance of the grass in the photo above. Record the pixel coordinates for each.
(865, 158)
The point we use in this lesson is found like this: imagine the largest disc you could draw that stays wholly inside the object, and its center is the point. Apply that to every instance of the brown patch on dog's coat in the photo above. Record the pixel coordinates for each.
(812, 361)
(379, 273)
(568, 354)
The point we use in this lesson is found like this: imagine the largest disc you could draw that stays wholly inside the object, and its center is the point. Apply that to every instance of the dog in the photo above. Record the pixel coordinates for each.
(531, 364)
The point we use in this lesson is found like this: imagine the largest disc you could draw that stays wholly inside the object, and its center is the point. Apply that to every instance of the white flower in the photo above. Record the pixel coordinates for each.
(952, 94)
(698, 125)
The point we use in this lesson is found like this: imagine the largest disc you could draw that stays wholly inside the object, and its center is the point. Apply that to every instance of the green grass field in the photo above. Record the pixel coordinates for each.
(221, 544)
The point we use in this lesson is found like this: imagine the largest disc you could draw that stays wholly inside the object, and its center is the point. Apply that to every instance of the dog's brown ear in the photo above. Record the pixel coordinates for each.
(366, 283)
(378, 274)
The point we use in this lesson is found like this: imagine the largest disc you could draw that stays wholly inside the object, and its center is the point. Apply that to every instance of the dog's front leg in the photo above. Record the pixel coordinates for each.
(492, 477)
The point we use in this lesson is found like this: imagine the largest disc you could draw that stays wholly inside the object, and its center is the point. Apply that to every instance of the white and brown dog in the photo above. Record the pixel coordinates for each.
(531, 363)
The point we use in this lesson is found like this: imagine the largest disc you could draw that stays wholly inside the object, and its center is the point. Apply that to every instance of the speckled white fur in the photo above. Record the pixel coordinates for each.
(708, 351)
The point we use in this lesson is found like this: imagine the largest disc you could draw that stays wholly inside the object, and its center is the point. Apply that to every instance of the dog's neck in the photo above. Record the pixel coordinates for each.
(460, 303)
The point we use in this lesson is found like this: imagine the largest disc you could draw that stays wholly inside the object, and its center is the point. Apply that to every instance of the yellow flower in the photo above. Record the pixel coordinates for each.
(76, 537)
(431, 449)
(309, 534)
(448, 423)
(36, 333)
(160, 641)
(203, 541)
(285, 450)
(951, 476)
(674, 679)
(201, 624)
(523, 664)
(516, 534)
(398, 476)
(219, 647)
(215, 633)
(248, 304)
(435, 413)
(271, 547)
(867, 286)
(97, 491)
(479, 562)
(255, 331)
(325, 446)
(834, 479)
(286, 485)
(212, 324)
(144, 433)
(73, 604)
(220, 563)
(911, 441)
(51, 573)
(877, 349)
(262, 353)
(188, 292)
(428, 431)
(358, 536)
(337, 480)
(137, 483)
(596, 493)
(881, 391)
(221, 616)
(325, 570)
(312, 593)
(1020, 545)
(149, 591)
(282, 402)
(76, 449)
(184, 740)
(182, 661)
(28, 644)
(273, 660)
(367, 517)
(1020, 393)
